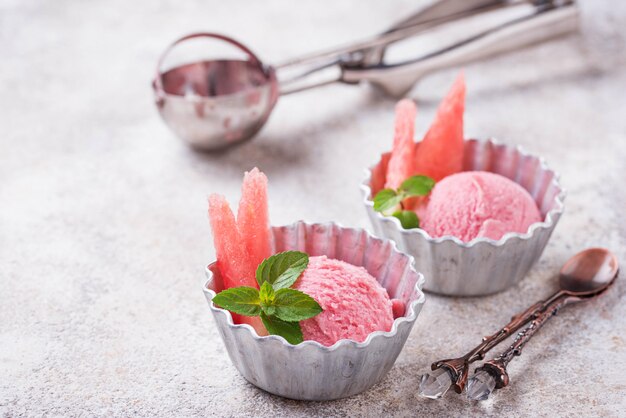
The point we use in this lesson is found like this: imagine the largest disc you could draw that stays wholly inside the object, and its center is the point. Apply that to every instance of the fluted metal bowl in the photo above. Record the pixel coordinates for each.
(310, 370)
(482, 266)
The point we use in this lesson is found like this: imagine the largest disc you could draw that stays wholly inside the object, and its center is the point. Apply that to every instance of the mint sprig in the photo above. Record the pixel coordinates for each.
(290, 331)
(279, 307)
(242, 300)
(389, 201)
(408, 219)
(266, 298)
(293, 305)
(282, 270)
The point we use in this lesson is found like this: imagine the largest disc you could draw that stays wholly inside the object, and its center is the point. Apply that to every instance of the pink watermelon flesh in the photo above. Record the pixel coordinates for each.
(402, 161)
(440, 153)
(253, 218)
(398, 308)
(235, 267)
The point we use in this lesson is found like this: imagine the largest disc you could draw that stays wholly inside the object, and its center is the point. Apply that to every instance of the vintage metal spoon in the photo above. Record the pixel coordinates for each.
(585, 275)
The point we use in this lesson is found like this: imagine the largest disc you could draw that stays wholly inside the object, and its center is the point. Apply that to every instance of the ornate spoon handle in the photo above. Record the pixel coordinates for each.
(584, 276)
(493, 373)
(459, 367)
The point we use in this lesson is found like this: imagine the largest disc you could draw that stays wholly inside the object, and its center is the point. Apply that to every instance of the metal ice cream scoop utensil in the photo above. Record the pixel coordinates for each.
(213, 104)
(582, 277)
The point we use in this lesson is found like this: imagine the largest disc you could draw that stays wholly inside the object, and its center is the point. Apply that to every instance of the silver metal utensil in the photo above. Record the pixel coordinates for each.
(212, 104)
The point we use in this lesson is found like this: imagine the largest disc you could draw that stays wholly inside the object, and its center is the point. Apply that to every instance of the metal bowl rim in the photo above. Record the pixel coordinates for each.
(411, 312)
(548, 223)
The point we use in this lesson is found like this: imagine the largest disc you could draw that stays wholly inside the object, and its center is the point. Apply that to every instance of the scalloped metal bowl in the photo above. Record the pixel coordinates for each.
(309, 370)
(482, 266)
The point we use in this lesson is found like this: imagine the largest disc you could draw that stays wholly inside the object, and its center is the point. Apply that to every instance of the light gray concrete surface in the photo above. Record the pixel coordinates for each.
(104, 235)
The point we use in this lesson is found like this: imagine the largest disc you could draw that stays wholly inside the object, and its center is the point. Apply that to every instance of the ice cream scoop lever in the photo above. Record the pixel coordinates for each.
(584, 276)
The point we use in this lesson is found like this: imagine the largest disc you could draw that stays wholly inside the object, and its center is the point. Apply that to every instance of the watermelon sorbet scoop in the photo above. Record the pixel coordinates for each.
(475, 204)
(354, 303)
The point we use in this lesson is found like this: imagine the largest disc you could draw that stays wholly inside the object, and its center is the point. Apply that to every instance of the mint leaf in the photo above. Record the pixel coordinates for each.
(417, 186)
(283, 269)
(266, 295)
(386, 199)
(293, 305)
(279, 307)
(408, 219)
(242, 300)
(288, 330)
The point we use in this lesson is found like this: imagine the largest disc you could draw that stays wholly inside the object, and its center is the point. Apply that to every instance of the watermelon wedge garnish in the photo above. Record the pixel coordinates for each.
(402, 161)
(236, 268)
(253, 217)
(440, 153)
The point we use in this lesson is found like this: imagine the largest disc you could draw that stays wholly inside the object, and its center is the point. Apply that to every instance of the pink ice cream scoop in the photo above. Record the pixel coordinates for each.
(476, 204)
(354, 303)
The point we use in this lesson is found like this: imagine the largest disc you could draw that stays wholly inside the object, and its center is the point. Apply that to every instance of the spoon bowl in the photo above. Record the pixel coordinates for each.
(589, 272)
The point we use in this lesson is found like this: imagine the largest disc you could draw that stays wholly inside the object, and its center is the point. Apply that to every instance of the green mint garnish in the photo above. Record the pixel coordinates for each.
(386, 199)
(280, 307)
(389, 201)
(282, 270)
(241, 300)
(417, 186)
(290, 331)
(266, 296)
(293, 305)
(408, 219)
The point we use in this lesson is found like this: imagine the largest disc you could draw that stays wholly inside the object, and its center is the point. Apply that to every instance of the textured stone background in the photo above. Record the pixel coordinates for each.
(103, 229)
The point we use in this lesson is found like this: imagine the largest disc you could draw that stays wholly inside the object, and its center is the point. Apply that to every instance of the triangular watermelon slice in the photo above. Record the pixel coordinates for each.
(402, 161)
(252, 217)
(233, 262)
(234, 265)
(440, 153)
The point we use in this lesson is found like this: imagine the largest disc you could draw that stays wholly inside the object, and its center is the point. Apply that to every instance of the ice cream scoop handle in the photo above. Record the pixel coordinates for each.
(549, 20)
